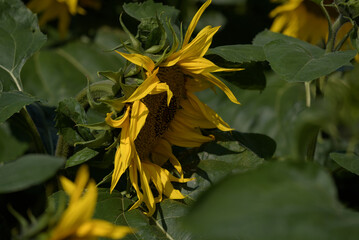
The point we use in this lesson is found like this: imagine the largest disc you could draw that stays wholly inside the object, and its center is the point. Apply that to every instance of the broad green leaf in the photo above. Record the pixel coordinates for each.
(348, 161)
(165, 224)
(10, 147)
(12, 102)
(296, 64)
(217, 160)
(28, 171)
(239, 53)
(80, 157)
(55, 74)
(20, 37)
(150, 9)
(275, 201)
(262, 145)
(299, 61)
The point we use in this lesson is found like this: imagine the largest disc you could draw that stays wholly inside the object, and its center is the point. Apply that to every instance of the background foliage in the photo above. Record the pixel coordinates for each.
(254, 183)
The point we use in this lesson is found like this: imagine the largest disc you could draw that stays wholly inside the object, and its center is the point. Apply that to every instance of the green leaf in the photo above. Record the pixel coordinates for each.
(80, 157)
(150, 9)
(164, 225)
(239, 53)
(20, 37)
(62, 72)
(275, 201)
(296, 64)
(216, 161)
(28, 171)
(69, 113)
(298, 61)
(348, 161)
(12, 102)
(10, 147)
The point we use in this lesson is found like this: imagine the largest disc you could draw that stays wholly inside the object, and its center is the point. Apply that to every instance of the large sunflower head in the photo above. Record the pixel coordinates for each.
(305, 20)
(163, 111)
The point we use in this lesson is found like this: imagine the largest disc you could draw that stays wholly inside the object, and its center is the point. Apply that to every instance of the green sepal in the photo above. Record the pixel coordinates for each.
(103, 139)
(116, 104)
(136, 45)
(96, 126)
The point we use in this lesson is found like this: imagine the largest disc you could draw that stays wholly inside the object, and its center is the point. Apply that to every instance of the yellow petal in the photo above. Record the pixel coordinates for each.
(181, 135)
(118, 122)
(140, 60)
(202, 65)
(76, 214)
(145, 88)
(194, 22)
(208, 113)
(209, 77)
(196, 49)
(139, 113)
(288, 6)
(134, 182)
(101, 228)
(163, 87)
(123, 155)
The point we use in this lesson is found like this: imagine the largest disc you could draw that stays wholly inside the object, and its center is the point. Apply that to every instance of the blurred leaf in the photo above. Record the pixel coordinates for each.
(239, 53)
(150, 9)
(12, 102)
(348, 161)
(80, 157)
(28, 171)
(164, 225)
(20, 37)
(44, 119)
(218, 160)
(296, 64)
(10, 147)
(298, 61)
(276, 201)
(62, 72)
(262, 145)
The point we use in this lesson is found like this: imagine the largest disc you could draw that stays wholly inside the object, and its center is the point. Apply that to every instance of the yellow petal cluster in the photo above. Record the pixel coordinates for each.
(183, 129)
(305, 20)
(60, 10)
(76, 221)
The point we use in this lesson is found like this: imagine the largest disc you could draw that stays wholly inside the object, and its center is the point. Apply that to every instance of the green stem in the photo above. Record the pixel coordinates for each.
(307, 93)
(341, 43)
(312, 146)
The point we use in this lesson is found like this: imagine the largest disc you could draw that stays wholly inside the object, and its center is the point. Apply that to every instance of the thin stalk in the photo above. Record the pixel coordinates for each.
(341, 43)
(307, 94)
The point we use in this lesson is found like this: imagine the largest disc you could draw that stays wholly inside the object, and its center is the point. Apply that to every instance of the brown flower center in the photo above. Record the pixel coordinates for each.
(160, 114)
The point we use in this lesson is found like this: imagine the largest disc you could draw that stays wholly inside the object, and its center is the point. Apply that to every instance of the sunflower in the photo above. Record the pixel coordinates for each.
(305, 20)
(76, 221)
(61, 10)
(164, 111)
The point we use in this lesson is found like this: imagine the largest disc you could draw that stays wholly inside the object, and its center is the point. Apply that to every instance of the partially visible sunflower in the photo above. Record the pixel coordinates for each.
(61, 10)
(76, 221)
(164, 111)
(305, 20)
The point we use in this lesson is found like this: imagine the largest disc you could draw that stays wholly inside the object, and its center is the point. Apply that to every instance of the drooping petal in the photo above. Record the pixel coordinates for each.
(117, 123)
(184, 136)
(202, 65)
(209, 77)
(101, 228)
(139, 113)
(145, 88)
(163, 87)
(140, 60)
(123, 155)
(208, 113)
(194, 22)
